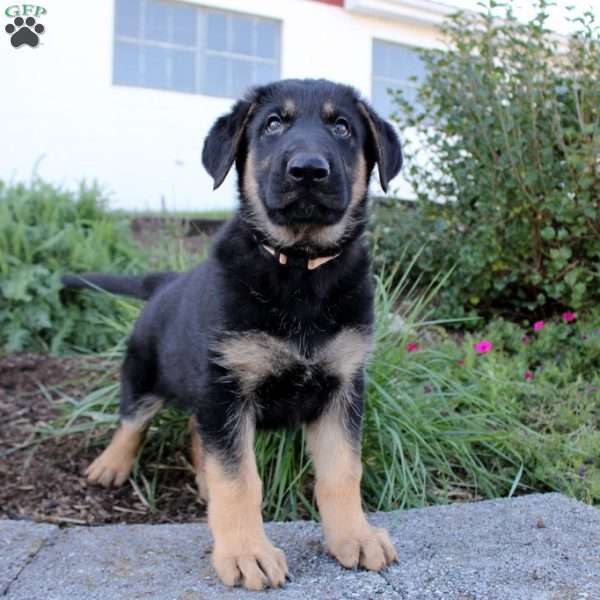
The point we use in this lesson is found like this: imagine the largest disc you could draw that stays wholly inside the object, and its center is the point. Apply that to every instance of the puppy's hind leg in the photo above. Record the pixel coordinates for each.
(198, 460)
(137, 408)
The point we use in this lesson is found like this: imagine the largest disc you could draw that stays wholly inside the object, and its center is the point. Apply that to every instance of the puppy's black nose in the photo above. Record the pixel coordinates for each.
(308, 168)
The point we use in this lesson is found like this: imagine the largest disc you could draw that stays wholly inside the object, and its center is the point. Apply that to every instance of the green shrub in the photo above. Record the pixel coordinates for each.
(44, 232)
(512, 125)
(399, 232)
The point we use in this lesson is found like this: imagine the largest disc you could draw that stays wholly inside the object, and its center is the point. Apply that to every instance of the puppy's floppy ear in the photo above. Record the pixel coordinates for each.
(385, 143)
(223, 141)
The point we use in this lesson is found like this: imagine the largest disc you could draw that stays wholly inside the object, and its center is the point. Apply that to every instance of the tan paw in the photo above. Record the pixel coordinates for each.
(371, 549)
(253, 566)
(110, 468)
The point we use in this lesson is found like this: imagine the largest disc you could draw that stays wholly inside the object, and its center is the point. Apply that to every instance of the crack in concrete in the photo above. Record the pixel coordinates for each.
(403, 594)
(36, 547)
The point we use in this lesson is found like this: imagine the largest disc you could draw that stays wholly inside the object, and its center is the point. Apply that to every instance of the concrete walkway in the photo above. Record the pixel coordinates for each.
(538, 547)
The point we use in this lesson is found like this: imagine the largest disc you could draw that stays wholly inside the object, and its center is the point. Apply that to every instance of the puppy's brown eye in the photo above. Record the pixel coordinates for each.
(274, 124)
(341, 127)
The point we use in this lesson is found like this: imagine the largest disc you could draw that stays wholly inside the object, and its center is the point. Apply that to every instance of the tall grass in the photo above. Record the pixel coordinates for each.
(428, 435)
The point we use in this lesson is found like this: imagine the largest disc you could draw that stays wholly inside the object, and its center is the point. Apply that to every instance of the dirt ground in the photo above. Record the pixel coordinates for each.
(41, 478)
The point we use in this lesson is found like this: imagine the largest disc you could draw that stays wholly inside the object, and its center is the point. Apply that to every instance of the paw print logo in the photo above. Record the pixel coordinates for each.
(24, 32)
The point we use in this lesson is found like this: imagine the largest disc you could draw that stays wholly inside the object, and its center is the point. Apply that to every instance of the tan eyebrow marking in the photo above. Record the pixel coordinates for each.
(289, 108)
(328, 109)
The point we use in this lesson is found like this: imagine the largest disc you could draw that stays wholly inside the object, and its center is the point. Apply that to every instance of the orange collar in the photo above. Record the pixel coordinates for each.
(311, 264)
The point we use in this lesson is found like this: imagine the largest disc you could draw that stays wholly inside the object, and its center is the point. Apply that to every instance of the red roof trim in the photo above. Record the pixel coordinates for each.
(334, 2)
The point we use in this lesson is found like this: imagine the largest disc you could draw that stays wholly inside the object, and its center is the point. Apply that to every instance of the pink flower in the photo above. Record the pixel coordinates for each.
(525, 339)
(483, 346)
(569, 316)
(528, 375)
(412, 346)
(461, 361)
(538, 325)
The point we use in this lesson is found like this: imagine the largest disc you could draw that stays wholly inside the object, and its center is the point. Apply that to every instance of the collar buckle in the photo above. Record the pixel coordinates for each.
(291, 261)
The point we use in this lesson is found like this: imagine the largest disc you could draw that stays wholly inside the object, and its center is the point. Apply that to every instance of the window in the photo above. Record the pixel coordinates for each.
(172, 46)
(393, 66)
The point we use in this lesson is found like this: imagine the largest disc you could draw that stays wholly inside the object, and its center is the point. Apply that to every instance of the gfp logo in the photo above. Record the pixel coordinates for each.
(24, 29)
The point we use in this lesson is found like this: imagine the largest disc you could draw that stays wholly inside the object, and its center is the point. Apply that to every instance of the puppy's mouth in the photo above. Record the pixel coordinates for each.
(295, 207)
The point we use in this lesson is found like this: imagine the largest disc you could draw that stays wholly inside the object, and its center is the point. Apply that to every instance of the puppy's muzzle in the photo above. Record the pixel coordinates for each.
(310, 186)
(307, 169)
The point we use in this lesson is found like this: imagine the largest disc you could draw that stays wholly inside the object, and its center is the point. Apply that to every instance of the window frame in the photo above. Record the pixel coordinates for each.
(199, 49)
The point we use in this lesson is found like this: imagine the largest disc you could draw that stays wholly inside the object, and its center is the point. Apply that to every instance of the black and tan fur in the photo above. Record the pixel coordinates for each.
(244, 342)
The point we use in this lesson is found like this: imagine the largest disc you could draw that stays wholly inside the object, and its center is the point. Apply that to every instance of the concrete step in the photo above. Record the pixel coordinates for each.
(537, 547)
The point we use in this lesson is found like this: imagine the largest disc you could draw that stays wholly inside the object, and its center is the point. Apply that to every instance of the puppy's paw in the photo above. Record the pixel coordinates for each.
(110, 468)
(255, 566)
(370, 548)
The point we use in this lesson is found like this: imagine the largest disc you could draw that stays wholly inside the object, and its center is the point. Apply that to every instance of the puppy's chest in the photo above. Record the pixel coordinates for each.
(287, 382)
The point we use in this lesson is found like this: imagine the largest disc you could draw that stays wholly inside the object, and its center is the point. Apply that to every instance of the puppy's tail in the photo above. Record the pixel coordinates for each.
(137, 287)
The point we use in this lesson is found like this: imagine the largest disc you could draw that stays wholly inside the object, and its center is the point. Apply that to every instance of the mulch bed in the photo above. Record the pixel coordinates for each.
(40, 478)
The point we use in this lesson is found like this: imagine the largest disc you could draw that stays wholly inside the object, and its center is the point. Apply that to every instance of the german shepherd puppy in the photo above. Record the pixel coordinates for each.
(273, 330)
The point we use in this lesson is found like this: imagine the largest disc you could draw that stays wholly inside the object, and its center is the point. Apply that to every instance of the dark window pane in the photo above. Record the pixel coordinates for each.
(155, 67)
(184, 25)
(241, 76)
(394, 66)
(267, 39)
(216, 31)
(410, 93)
(127, 17)
(379, 60)
(405, 62)
(381, 99)
(126, 63)
(156, 23)
(242, 35)
(183, 71)
(396, 61)
(266, 72)
(418, 67)
(215, 72)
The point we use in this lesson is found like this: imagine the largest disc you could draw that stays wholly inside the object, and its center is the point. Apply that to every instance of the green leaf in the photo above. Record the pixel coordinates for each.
(548, 233)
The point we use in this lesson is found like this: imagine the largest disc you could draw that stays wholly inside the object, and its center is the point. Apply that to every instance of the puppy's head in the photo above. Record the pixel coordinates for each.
(304, 151)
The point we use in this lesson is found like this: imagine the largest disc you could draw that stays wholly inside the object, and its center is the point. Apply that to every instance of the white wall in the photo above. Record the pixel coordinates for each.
(61, 111)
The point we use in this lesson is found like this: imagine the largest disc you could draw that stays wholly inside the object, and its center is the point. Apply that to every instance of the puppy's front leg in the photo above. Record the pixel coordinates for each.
(348, 535)
(242, 552)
